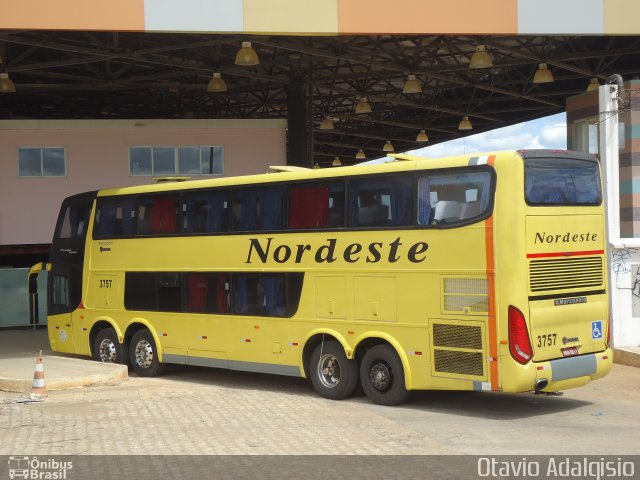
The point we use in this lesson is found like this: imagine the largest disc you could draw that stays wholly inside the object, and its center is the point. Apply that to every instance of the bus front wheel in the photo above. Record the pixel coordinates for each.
(333, 375)
(382, 376)
(107, 348)
(143, 355)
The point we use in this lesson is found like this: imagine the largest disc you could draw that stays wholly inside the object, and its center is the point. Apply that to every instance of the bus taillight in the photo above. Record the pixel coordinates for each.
(519, 344)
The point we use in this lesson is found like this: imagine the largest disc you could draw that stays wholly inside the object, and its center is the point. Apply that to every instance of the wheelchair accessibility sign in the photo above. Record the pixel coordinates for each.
(596, 330)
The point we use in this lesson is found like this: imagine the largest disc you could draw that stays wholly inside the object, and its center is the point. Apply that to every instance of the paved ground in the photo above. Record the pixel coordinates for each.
(18, 351)
(243, 418)
(206, 411)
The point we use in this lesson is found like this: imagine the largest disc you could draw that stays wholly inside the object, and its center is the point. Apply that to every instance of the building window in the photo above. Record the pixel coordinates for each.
(42, 162)
(183, 160)
(203, 160)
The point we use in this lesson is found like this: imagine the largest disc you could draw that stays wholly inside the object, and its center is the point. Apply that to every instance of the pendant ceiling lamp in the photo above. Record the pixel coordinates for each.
(217, 84)
(481, 58)
(543, 74)
(247, 56)
(327, 124)
(594, 84)
(465, 124)
(412, 85)
(363, 106)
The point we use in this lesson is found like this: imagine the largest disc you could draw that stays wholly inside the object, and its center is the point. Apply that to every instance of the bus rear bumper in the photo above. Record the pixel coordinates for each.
(572, 372)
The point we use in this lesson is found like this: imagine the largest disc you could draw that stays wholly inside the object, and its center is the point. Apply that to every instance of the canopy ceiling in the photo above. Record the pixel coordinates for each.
(110, 75)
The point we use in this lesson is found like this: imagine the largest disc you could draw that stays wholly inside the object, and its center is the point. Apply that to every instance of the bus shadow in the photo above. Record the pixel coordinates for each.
(492, 405)
(237, 380)
(486, 405)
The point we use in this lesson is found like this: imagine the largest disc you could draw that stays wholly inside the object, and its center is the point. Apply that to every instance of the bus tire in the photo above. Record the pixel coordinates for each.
(143, 355)
(382, 376)
(106, 348)
(333, 375)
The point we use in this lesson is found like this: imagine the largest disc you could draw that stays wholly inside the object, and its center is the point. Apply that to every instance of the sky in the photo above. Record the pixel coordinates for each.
(547, 132)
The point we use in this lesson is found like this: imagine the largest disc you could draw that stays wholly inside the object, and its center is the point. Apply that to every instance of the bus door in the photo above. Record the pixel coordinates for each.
(65, 277)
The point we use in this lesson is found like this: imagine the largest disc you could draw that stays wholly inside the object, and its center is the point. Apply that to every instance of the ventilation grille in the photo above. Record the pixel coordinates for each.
(457, 349)
(457, 336)
(466, 295)
(565, 273)
(464, 363)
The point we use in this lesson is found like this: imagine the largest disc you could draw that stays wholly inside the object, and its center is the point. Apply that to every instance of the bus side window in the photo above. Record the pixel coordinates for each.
(164, 215)
(336, 207)
(115, 217)
(267, 294)
(206, 212)
(308, 206)
(207, 293)
(169, 292)
(246, 298)
(376, 202)
(141, 291)
(256, 209)
(157, 215)
(451, 198)
(425, 212)
(316, 206)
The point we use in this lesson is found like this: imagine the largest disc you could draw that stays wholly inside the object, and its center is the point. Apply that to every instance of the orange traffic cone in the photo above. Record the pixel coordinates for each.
(38, 388)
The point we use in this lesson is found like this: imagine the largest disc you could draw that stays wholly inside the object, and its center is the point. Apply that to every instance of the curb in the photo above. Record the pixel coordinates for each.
(626, 357)
(109, 374)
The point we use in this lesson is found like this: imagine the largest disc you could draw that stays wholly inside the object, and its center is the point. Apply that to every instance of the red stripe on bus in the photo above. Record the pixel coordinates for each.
(565, 254)
(491, 284)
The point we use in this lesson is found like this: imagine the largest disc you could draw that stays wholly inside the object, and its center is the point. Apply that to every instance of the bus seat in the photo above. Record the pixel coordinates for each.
(447, 210)
(469, 210)
(375, 214)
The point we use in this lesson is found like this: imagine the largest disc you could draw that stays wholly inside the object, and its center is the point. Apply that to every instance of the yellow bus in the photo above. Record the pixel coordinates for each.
(475, 272)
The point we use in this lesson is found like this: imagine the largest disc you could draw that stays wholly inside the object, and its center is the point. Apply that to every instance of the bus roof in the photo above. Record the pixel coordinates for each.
(395, 163)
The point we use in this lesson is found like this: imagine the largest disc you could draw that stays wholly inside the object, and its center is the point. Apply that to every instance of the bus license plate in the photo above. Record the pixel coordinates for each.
(569, 351)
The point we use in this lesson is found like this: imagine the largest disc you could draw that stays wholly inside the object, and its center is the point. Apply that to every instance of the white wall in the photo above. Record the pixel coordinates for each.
(97, 154)
(624, 293)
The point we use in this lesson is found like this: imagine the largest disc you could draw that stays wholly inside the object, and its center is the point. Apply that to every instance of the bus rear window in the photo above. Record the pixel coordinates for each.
(561, 181)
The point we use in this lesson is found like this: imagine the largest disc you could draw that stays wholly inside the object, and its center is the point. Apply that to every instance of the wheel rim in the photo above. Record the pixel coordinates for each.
(144, 354)
(107, 351)
(381, 376)
(329, 371)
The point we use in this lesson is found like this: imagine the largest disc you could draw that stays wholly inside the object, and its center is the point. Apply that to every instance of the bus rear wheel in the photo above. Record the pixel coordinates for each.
(143, 355)
(333, 375)
(382, 376)
(107, 348)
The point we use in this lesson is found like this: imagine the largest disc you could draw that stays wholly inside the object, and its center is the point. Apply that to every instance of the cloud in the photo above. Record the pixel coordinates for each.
(555, 135)
(548, 132)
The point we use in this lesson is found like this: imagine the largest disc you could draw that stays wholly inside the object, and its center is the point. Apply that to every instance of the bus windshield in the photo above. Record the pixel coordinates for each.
(556, 181)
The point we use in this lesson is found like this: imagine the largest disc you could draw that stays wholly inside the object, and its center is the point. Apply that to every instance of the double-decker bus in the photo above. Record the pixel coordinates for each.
(475, 272)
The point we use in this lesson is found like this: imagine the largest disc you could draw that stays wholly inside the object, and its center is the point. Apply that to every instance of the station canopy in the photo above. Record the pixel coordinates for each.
(411, 82)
